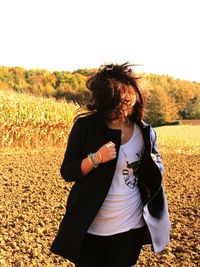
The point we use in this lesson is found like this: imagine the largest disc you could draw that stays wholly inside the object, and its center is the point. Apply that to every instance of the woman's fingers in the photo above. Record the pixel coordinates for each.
(110, 144)
(108, 151)
(111, 150)
(111, 147)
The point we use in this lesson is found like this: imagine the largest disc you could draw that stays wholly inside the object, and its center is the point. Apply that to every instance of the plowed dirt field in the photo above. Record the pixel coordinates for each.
(32, 203)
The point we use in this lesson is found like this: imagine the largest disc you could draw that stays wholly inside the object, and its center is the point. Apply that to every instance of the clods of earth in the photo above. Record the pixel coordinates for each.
(33, 197)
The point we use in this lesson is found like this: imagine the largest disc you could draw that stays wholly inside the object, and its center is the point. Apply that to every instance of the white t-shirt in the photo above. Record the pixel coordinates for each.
(122, 207)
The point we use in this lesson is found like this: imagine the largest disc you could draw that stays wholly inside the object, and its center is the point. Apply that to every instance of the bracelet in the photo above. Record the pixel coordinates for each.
(100, 156)
(89, 158)
(92, 159)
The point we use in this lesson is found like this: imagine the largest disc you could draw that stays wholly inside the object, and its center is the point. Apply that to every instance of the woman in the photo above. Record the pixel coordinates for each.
(117, 202)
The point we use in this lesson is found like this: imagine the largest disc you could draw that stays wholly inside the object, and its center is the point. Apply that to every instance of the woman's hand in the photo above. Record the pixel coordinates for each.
(106, 153)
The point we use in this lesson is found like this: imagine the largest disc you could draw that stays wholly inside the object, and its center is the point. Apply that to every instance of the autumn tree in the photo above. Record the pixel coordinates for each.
(160, 107)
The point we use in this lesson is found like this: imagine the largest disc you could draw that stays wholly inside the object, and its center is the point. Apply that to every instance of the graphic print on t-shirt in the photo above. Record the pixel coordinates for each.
(129, 172)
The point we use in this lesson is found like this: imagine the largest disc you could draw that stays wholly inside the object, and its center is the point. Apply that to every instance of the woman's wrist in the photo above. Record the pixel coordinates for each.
(98, 157)
(95, 159)
(92, 159)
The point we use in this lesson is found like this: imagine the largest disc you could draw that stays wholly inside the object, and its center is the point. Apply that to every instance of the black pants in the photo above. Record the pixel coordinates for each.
(119, 250)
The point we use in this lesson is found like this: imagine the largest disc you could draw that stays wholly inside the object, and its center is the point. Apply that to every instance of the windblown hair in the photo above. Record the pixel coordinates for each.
(107, 87)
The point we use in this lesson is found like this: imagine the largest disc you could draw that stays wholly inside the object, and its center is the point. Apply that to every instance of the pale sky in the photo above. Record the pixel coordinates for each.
(161, 35)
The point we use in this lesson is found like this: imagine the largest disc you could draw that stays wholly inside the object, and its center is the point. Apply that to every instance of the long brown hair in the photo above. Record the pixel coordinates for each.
(107, 86)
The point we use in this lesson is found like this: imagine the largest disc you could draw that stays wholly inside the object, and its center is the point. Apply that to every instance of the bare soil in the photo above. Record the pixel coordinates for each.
(33, 197)
(190, 122)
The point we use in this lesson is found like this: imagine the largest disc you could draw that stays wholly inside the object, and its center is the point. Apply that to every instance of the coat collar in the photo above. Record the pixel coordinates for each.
(143, 125)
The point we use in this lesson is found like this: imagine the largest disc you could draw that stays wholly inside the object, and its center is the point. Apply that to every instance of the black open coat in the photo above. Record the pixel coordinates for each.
(88, 134)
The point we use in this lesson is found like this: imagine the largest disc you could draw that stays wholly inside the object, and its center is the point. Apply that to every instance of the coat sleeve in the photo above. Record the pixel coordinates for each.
(71, 166)
(155, 152)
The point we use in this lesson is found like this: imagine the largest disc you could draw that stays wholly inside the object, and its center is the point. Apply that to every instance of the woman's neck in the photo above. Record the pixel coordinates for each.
(126, 127)
(119, 123)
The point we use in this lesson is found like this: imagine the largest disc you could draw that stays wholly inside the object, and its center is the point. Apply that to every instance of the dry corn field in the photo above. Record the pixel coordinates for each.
(33, 194)
(29, 121)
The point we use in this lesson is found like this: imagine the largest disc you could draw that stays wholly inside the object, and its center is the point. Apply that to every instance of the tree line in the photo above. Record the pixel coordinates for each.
(167, 99)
